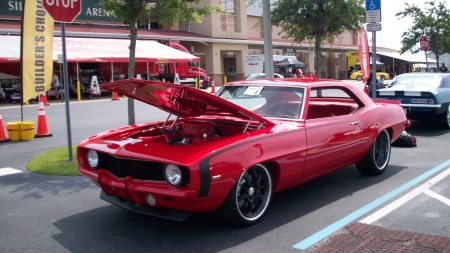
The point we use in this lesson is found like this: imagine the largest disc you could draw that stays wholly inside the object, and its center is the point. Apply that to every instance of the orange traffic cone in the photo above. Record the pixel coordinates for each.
(42, 129)
(44, 99)
(115, 96)
(213, 88)
(2, 130)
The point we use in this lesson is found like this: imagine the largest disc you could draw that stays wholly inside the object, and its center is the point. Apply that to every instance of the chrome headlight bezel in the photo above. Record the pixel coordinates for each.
(92, 159)
(173, 175)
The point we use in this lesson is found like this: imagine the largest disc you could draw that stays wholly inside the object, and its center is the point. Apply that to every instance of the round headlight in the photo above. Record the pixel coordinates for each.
(172, 174)
(92, 158)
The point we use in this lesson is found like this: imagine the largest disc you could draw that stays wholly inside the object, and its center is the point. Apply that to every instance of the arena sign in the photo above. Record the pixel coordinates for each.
(90, 12)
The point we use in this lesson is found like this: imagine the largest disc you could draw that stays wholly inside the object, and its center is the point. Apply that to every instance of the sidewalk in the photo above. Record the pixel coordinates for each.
(358, 237)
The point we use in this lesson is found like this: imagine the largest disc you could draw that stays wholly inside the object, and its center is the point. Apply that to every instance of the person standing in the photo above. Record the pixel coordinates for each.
(369, 84)
(299, 72)
(380, 82)
(350, 71)
(145, 76)
(443, 68)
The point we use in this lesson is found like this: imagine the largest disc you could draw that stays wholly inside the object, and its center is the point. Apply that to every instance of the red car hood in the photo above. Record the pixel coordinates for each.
(180, 100)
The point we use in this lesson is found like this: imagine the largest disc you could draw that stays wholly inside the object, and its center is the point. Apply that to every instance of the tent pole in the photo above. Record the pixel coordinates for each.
(393, 67)
(148, 75)
(112, 72)
(78, 88)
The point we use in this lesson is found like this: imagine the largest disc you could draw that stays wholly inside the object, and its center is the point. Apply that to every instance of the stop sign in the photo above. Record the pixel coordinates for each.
(63, 10)
(424, 44)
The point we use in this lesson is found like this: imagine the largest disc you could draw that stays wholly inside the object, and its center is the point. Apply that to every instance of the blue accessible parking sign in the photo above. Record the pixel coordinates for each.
(373, 11)
(373, 5)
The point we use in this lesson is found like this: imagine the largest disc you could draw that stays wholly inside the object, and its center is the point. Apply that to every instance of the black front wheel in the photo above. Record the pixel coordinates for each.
(249, 198)
(377, 158)
(443, 119)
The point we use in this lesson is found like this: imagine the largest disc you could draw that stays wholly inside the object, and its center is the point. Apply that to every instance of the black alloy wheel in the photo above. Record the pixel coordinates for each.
(377, 158)
(249, 198)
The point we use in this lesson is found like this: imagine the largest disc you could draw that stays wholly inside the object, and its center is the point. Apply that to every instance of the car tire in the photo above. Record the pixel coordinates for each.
(249, 198)
(358, 78)
(377, 158)
(443, 119)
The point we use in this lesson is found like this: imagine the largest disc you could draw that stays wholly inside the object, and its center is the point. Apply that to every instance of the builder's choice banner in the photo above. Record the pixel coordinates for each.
(364, 60)
(37, 50)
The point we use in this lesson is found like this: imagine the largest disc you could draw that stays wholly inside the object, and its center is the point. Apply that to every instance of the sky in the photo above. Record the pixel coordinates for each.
(391, 27)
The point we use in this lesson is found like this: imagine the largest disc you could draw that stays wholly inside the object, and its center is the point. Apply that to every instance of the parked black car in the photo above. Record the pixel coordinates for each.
(422, 95)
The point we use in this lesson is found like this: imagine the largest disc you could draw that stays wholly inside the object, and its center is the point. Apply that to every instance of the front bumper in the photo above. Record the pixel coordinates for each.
(145, 209)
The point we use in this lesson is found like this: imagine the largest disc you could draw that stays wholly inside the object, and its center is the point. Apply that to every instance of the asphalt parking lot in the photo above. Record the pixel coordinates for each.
(404, 210)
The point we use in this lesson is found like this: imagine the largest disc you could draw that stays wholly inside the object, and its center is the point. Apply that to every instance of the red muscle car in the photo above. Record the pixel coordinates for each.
(231, 151)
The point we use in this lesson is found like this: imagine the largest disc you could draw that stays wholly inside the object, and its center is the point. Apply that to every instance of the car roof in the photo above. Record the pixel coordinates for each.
(425, 74)
(311, 83)
(296, 82)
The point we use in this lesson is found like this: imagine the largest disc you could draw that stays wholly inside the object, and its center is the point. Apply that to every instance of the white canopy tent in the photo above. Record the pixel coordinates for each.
(412, 58)
(85, 50)
(99, 50)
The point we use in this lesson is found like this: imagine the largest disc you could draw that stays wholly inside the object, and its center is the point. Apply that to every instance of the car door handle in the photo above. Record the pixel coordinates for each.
(354, 123)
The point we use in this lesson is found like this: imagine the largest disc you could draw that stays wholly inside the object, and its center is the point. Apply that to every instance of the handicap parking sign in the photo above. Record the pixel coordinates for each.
(373, 5)
(373, 11)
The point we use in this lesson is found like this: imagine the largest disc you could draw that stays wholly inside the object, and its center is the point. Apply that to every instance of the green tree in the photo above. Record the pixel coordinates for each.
(135, 12)
(317, 20)
(432, 22)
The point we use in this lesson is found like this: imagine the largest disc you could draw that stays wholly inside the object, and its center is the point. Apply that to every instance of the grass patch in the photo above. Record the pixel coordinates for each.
(56, 162)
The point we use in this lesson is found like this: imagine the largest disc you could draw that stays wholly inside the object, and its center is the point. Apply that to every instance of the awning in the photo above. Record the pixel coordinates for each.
(291, 63)
(99, 50)
(413, 58)
(377, 63)
(4, 76)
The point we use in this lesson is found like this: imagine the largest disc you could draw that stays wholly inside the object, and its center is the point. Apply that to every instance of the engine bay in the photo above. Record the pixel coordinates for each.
(195, 132)
(190, 132)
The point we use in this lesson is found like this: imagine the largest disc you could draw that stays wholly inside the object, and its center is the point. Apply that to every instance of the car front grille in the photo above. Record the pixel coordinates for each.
(141, 170)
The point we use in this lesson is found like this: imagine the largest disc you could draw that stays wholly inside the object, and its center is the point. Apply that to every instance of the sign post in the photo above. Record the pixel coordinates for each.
(373, 15)
(64, 11)
(425, 45)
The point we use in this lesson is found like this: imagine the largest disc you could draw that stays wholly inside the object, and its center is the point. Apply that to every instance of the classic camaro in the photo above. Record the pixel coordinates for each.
(422, 95)
(231, 151)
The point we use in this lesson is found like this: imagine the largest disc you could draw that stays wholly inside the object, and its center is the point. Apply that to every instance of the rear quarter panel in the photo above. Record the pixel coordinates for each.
(374, 119)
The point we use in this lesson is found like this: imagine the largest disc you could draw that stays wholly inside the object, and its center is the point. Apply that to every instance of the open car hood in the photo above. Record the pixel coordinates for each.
(180, 100)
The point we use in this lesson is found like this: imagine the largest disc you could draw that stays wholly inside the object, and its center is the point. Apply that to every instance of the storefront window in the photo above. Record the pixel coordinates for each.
(227, 18)
(231, 70)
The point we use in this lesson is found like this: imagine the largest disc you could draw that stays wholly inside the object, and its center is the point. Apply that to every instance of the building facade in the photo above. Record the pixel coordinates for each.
(221, 41)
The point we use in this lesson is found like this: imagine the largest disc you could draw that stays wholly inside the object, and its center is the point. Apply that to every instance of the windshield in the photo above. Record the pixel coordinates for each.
(256, 76)
(267, 101)
(430, 81)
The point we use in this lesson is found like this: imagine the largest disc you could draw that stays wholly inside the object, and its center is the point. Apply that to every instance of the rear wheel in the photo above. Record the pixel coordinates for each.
(359, 78)
(377, 158)
(444, 119)
(249, 198)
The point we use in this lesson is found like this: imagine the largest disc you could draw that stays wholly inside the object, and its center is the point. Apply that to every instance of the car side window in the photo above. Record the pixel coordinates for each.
(330, 102)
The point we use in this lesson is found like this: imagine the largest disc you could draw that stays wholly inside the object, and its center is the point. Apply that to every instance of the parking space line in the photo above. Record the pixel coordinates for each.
(8, 171)
(316, 237)
(437, 196)
(399, 202)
